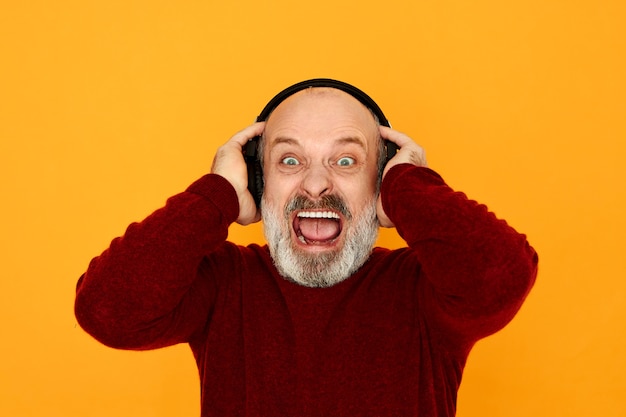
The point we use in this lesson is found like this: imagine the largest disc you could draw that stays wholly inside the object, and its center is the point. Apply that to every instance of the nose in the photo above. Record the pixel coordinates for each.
(317, 181)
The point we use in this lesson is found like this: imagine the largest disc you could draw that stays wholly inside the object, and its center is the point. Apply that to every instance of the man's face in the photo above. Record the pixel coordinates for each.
(319, 203)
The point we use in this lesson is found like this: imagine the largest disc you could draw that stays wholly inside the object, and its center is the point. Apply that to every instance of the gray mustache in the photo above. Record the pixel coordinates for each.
(327, 202)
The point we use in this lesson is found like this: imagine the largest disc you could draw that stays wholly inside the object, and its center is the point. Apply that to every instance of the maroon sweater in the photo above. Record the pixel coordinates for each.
(392, 340)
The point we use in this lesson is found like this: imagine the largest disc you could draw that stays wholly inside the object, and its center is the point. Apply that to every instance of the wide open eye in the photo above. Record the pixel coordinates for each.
(290, 160)
(346, 161)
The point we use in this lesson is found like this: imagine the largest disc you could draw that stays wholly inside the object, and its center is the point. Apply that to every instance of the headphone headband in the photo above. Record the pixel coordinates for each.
(324, 82)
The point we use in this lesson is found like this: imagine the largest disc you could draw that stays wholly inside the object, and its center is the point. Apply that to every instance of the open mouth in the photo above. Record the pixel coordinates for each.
(317, 227)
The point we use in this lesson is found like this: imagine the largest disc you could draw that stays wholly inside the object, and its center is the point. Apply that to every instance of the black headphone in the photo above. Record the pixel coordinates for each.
(250, 150)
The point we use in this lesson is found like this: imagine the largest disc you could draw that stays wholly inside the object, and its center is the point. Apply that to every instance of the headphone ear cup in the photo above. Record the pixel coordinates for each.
(391, 149)
(255, 171)
(259, 184)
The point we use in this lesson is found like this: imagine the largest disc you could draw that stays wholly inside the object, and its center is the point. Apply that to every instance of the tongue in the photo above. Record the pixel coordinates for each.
(319, 230)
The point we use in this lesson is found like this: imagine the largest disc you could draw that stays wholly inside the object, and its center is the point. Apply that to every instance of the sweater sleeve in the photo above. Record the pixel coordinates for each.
(477, 269)
(145, 290)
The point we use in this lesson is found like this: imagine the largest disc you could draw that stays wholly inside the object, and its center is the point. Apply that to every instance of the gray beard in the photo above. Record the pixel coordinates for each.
(319, 270)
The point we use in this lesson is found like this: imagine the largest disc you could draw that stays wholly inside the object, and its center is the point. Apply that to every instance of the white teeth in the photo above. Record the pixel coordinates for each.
(318, 214)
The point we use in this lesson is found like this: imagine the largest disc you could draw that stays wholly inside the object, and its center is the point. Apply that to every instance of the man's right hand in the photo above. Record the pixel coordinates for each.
(230, 164)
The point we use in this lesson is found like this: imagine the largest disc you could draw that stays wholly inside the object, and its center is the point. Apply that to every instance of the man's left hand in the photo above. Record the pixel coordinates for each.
(408, 152)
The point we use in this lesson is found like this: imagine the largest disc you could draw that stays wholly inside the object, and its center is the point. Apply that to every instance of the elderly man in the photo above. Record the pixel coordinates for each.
(318, 322)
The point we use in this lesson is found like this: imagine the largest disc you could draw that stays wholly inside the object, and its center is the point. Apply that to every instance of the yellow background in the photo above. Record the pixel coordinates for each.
(109, 107)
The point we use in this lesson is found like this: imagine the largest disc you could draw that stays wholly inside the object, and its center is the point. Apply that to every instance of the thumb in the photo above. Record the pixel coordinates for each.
(383, 219)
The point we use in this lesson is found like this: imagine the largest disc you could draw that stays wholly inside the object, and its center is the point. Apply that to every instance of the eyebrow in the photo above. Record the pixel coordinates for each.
(351, 139)
(285, 140)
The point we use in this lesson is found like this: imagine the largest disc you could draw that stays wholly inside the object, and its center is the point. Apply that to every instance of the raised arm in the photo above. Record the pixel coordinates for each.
(478, 268)
(147, 290)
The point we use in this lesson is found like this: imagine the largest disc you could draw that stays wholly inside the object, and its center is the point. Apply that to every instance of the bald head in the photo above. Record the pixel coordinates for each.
(317, 112)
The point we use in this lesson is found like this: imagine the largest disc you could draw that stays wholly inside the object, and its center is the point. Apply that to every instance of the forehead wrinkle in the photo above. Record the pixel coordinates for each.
(343, 140)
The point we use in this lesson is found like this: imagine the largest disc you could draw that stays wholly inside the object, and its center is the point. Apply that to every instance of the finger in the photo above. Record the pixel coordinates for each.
(409, 151)
(396, 137)
(230, 153)
(243, 136)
